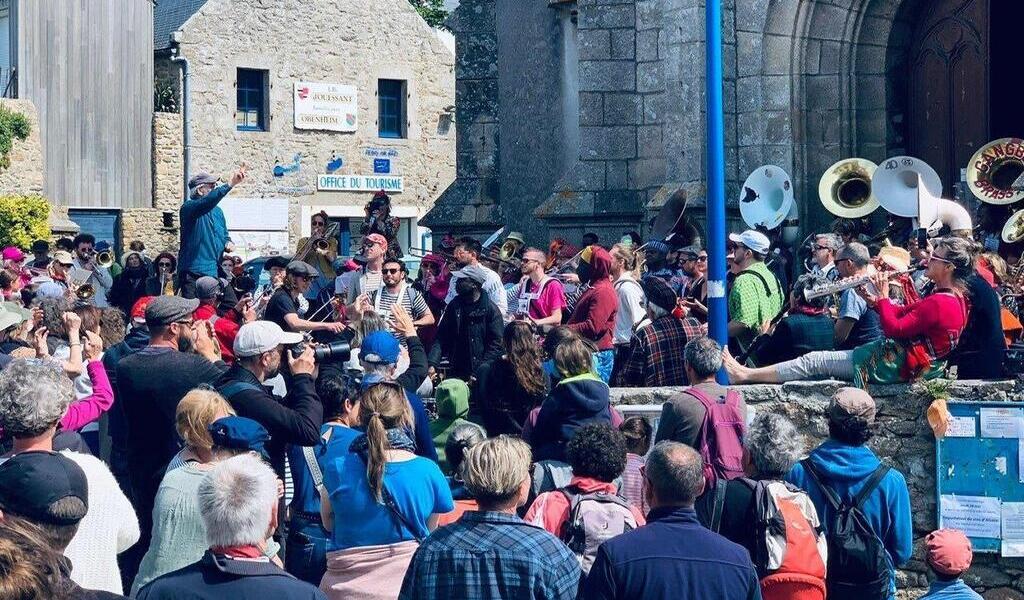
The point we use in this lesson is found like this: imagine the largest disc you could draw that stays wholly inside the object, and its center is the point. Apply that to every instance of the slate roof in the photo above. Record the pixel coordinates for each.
(168, 17)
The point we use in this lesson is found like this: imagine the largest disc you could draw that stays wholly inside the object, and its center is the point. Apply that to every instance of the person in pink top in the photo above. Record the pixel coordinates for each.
(537, 296)
(637, 432)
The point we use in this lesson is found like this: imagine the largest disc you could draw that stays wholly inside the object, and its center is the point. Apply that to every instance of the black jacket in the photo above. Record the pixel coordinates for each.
(469, 335)
(127, 290)
(979, 353)
(296, 419)
(215, 577)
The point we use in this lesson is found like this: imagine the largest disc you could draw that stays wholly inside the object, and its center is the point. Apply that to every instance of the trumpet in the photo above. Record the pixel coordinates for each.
(85, 292)
(104, 259)
(845, 284)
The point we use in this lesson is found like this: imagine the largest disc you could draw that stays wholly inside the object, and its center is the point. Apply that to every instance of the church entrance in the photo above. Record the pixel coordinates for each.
(960, 94)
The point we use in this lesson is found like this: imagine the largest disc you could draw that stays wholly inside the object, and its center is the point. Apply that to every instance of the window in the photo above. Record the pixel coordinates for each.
(391, 108)
(251, 112)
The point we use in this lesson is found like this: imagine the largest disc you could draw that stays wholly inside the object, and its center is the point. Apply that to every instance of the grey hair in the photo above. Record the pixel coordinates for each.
(385, 371)
(463, 437)
(774, 445)
(830, 240)
(656, 311)
(236, 499)
(494, 469)
(856, 253)
(961, 253)
(367, 323)
(704, 356)
(676, 473)
(33, 397)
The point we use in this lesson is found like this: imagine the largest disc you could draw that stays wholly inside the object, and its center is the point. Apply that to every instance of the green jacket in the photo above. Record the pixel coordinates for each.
(452, 397)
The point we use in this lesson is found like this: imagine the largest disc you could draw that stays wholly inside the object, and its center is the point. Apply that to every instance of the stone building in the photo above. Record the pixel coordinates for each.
(587, 114)
(325, 101)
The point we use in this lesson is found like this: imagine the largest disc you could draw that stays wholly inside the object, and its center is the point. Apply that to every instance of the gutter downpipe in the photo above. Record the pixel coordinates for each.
(186, 127)
(718, 320)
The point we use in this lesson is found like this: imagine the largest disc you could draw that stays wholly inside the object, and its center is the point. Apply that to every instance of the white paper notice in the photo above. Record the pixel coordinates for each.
(976, 516)
(1001, 422)
(1013, 529)
(1020, 460)
(962, 427)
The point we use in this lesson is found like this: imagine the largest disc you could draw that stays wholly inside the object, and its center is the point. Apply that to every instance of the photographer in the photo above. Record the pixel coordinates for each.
(259, 348)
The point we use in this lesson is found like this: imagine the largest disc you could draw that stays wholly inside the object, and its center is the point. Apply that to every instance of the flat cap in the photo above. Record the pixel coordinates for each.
(164, 310)
(852, 404)
(297, 267)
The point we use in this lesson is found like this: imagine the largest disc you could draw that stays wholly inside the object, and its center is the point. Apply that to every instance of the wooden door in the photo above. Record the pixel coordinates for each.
(949, 85)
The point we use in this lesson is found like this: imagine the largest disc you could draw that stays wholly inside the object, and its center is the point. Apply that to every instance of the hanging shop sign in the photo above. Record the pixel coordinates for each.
(326, 106)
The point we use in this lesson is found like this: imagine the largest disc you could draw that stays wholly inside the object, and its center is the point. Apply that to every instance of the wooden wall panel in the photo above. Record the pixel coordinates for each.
(88, 67)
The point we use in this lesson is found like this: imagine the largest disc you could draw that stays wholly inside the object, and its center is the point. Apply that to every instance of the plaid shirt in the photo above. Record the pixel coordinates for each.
(656, 352)
(490, 555)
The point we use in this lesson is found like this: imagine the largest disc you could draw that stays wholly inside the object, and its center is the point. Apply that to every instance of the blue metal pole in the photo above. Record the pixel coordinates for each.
(718, 319)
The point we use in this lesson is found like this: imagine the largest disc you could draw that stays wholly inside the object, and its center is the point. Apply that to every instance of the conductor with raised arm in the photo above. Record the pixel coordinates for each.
(204, 232)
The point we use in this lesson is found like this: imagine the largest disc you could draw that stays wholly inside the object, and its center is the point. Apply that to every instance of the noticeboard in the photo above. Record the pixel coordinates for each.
(980, 475)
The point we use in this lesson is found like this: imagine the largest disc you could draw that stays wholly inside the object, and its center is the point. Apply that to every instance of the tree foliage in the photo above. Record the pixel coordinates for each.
(12, 125)
(23, 220)
(432, 11)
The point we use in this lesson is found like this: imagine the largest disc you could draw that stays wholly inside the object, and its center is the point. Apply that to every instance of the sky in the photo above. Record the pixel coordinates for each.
(450, 4)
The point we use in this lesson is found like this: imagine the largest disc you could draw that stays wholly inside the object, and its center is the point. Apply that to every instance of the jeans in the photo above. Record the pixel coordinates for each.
(605, 361)
(306, 551)
(822, 364)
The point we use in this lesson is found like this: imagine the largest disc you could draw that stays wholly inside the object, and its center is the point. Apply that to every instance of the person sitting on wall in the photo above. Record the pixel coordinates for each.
(204, 232)
(379, 220)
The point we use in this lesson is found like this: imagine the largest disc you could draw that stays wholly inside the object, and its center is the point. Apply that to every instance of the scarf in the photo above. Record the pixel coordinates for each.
(398, 439)
(811, 311)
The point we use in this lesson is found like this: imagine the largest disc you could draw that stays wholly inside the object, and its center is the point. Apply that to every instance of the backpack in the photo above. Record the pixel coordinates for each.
(594, 519)
(859, 566)
(787, 532)
(720, 442)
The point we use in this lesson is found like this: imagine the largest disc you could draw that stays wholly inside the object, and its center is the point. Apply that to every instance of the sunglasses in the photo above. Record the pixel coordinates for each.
(163, 264)
(702, 259)
(390, 271)
(822, 248)
(940, 259)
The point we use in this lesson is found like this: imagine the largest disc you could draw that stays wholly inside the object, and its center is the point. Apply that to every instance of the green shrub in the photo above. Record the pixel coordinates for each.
(23, 219)
(12, 125)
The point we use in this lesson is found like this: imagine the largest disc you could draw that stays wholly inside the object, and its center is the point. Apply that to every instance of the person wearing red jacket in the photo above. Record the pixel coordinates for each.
(594, 315)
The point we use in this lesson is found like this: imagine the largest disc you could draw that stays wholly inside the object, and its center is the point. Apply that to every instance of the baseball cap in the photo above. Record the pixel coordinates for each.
(200, 179)
(949, 551)
(50, 289)
(209, 287)
(297, 267)
(755, 240)
(13, 253)
(102, 245)
(849, 403)
(9, 318)
(258, 337)
(380, 347)
(376, 238)
(164, 310)
(473, 272)
(239, 433)
(63, 257)
(32, 481)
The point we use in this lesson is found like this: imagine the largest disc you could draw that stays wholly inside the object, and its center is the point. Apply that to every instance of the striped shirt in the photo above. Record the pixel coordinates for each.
(412, 301)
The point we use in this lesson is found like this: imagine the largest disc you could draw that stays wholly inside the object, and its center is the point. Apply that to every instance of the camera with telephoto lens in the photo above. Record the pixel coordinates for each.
(324, 353)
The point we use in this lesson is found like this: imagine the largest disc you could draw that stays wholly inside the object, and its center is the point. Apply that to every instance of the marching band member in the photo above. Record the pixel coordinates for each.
(98, 277)
(537, 297)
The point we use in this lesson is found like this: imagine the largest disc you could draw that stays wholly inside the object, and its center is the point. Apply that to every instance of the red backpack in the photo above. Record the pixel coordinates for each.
(721, 437)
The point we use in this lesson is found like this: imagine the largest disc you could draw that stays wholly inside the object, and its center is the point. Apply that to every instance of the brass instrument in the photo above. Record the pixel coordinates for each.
(509, 249)
(319, 244)
(85, 292)
(844, 284)
(104, 259)
(995, 171)
(1013, 231)
(167, 285)
(767, 198)
(845, 188)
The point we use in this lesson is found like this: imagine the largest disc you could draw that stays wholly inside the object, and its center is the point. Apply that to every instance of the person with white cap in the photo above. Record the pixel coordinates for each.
(756, 297)
(260, 348)
(204, 232)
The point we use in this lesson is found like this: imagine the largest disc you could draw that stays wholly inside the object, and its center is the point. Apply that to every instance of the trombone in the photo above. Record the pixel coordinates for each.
(319, 244)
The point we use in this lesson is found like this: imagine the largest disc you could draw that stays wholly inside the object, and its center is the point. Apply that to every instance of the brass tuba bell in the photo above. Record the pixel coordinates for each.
(995, 169)
(767, 197)
(845, 188)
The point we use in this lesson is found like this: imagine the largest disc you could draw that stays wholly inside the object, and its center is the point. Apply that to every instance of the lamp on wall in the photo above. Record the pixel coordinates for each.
(446, 119)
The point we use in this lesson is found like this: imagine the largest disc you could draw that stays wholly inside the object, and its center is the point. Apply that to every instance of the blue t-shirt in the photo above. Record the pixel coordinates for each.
(305, 498)
(418, 487)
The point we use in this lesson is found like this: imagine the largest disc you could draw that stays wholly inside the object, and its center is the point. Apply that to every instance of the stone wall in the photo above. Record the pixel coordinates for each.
(147, 224)
(25, 175)
(334, 41)
(903, 441)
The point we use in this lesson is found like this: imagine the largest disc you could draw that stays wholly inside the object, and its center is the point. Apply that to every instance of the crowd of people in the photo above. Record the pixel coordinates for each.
(176, 428)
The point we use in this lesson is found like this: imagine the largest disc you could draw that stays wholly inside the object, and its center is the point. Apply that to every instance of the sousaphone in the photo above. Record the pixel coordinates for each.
(895, 183)
(1013, 231)
(767, 197)
(994, 173)
(845, 188)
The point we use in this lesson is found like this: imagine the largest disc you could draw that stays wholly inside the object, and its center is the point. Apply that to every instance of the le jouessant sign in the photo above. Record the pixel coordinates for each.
(326, 106)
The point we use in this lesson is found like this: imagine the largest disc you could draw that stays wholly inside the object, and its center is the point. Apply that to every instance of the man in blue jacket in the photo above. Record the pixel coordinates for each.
(204, 232)
(673, 557)
(845, 464)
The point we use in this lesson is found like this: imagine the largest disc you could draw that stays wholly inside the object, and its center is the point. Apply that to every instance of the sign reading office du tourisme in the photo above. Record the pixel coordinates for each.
(358, 183)
(328, 106)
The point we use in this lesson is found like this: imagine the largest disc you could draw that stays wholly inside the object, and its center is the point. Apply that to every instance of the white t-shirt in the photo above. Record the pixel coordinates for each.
(631, 308)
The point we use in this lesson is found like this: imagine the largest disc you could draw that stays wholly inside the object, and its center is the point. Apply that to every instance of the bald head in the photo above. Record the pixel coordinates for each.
(675, 475)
